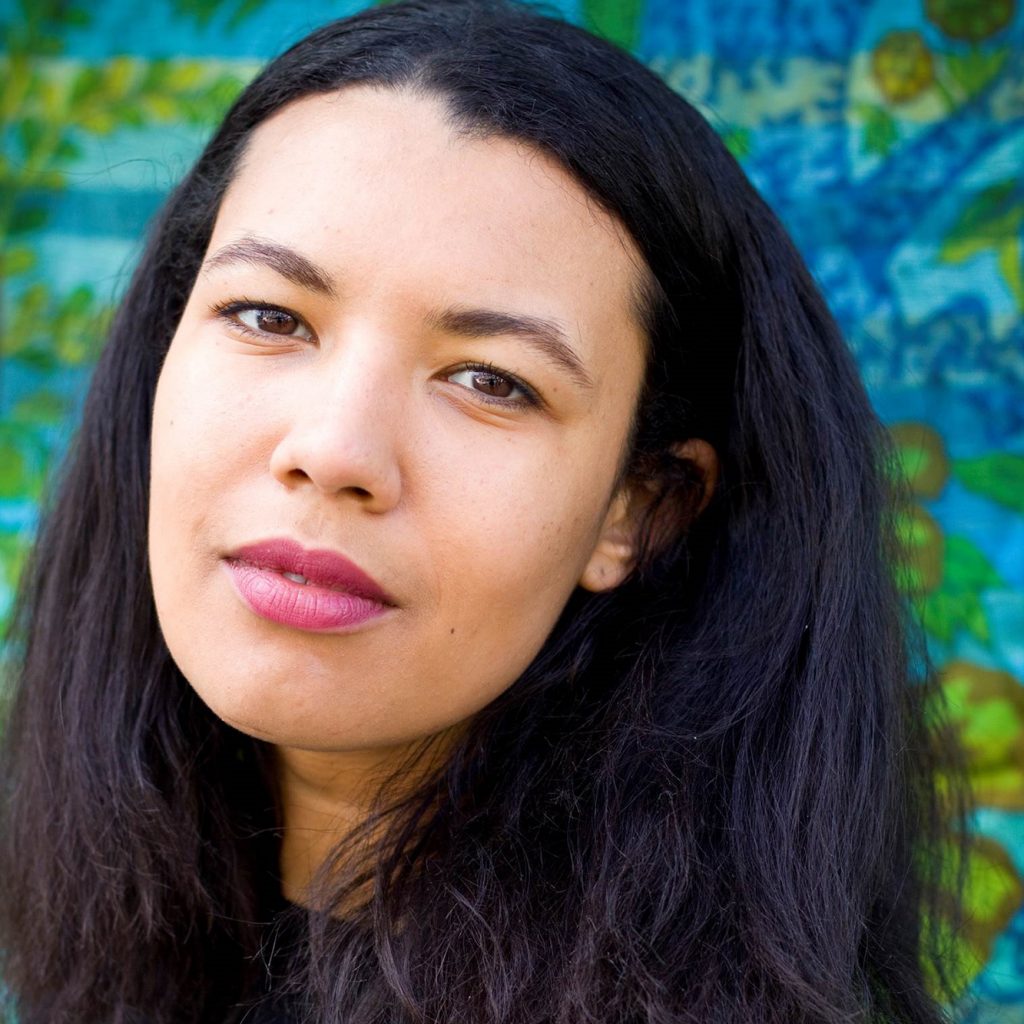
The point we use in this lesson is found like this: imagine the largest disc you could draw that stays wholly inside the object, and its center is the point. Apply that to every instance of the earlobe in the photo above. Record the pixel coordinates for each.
(612, 557)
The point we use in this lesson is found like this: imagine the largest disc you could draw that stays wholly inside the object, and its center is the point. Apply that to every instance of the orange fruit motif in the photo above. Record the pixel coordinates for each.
(923, 458)
(902, 66)
(923, 551)
(986, 706)
(971, 20)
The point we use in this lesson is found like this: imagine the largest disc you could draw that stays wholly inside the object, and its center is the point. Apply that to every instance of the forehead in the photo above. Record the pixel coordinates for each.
(376, 186)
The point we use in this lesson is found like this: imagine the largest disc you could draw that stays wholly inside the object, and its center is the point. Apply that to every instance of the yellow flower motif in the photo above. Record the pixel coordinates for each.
(922, 457)
(972, 20)
(902, 66)
(923, 550)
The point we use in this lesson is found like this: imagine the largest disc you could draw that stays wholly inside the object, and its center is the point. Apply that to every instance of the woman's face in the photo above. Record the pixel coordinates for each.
(417, 352)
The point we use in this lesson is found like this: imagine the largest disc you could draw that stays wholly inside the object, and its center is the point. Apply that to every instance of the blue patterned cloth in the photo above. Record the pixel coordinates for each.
(888, 135)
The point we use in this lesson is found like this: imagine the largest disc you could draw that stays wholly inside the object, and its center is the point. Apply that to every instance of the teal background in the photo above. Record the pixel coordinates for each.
(888, 135)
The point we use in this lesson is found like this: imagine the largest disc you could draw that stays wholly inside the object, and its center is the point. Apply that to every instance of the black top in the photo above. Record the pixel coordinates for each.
(280, 1011)
(282, 937)
(282, 947)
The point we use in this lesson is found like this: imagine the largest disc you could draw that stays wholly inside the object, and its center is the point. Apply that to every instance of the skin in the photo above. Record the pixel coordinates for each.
(351, 423)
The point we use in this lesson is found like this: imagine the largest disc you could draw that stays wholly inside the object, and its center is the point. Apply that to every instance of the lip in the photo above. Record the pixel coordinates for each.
(339, 594)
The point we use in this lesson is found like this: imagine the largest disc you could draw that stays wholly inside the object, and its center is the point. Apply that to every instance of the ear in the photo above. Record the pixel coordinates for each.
(615, 552)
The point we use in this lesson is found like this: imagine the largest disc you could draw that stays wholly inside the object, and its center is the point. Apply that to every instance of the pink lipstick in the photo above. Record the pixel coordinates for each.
(308, 589)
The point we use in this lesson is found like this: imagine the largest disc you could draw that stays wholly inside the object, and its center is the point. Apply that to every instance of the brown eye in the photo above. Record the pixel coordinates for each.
(275, 321)
(268, 320)
(494, 386)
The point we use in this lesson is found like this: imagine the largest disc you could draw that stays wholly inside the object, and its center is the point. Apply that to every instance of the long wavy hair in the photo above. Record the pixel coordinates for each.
(712, 796)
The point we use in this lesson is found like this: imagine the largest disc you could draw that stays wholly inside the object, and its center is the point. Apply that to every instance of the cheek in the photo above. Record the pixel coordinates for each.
(509, 561)
(172, 460)
(193, 445)
(202, 425)
(195, 418)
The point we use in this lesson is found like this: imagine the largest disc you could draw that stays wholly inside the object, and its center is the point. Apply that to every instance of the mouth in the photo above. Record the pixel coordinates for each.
(298, 579)
(318, 569)
(314, 590)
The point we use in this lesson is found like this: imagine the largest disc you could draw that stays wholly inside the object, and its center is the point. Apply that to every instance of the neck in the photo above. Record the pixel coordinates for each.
(326, 794)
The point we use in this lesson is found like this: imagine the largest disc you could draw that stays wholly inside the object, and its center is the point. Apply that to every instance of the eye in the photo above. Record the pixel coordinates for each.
(494, 386)
(260, 320)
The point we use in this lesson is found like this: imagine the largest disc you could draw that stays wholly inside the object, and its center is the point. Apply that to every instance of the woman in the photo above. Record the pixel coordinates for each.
(469, 595)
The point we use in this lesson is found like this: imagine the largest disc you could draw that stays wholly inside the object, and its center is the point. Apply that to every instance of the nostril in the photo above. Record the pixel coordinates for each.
(364, 471)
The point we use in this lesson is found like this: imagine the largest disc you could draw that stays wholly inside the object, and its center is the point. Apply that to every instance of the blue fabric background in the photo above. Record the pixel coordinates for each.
(888, 135)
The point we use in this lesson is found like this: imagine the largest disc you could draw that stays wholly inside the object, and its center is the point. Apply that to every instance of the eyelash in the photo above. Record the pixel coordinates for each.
(228, 311)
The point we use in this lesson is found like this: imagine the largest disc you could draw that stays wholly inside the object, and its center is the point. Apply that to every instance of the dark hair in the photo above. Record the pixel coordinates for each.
(710, 798)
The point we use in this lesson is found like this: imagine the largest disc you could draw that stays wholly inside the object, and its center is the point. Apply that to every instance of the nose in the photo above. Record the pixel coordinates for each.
(342, 429)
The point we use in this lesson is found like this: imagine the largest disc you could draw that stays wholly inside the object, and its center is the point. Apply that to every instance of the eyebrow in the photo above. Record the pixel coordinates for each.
(547, 337)
(286, 261)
